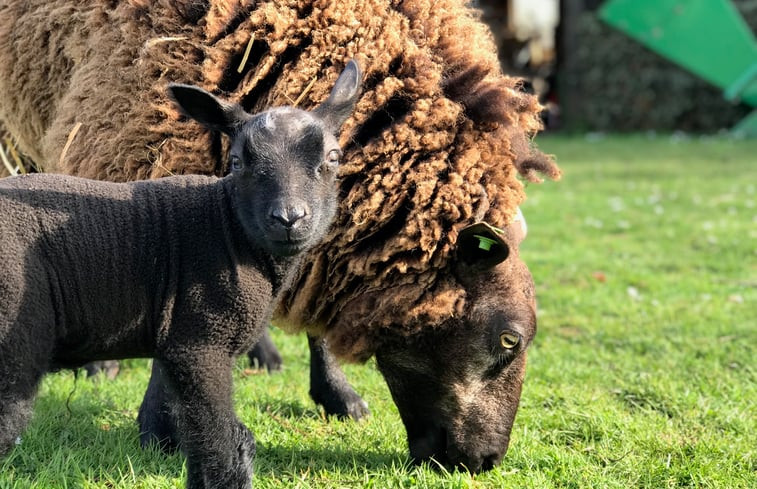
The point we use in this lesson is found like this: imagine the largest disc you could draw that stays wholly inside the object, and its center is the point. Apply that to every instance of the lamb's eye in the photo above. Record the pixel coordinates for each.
(235, 163)
(333, 156)
(330, 164)
(508, 340)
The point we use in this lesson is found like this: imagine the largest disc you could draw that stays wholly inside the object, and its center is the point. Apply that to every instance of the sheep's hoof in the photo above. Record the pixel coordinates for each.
(357, 409)
(265, 355)
(109, 368)
(344, 404)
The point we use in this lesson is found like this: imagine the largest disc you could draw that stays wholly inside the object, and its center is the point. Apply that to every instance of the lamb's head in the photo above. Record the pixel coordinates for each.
(283, 161)
(457, 386)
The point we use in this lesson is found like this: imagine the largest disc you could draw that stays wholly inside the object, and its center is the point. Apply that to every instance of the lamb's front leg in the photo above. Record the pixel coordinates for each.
(219, 448)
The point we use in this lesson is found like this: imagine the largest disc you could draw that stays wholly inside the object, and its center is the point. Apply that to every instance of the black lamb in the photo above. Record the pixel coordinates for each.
(184, 269)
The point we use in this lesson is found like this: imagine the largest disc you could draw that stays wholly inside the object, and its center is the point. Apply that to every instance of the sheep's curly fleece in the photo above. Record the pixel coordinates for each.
(436, 141)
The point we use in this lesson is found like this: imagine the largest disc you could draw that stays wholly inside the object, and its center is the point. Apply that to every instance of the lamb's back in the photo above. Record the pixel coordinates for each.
(76, 211)
(108, 254)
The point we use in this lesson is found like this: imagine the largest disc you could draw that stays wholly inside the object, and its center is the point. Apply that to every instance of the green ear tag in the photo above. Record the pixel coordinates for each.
(484, 243)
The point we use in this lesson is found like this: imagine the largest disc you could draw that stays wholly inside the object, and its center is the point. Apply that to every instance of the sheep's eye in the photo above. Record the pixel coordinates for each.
(333, 156)
(235, 163)
(508, 340)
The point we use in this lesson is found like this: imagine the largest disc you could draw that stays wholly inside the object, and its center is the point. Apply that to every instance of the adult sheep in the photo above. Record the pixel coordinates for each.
(432, 157)
(185, 269)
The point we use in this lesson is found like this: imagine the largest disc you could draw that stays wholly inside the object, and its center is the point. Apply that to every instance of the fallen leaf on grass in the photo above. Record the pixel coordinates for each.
(599, 276)
(252, 371)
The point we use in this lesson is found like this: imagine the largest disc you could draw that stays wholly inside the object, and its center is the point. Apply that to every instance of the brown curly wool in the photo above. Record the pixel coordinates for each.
(436, 142)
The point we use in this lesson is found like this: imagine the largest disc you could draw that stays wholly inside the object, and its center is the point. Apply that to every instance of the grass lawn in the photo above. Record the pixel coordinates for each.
(642, 373)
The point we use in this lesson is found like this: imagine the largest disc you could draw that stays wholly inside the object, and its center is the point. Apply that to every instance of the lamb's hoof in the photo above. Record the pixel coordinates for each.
(265, 355)
(109, 368)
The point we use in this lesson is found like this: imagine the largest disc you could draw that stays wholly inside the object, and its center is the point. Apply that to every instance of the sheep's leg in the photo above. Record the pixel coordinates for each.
(155, 419)
(219, 448)
(109, 368)
(264, 354)
(329, 386)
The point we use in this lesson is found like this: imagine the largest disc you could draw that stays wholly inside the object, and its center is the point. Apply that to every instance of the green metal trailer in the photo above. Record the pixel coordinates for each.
(707, 37)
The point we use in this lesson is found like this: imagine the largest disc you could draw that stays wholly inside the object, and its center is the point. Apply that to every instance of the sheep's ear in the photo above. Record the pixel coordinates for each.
(481, 245)
(338, 107)
(519, 227)
(207, 109)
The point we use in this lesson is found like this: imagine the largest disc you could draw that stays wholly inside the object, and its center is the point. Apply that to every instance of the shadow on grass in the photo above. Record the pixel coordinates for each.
(279, 459)
(287, 409)
(97, 441)
(86, 440)
(275, 458)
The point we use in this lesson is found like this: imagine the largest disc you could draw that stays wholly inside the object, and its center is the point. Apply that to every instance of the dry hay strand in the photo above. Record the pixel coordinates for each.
(13, 162)
(69, 140)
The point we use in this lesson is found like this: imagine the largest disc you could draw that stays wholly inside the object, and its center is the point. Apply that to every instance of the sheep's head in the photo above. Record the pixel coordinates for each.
(457, 386)
(283, 161)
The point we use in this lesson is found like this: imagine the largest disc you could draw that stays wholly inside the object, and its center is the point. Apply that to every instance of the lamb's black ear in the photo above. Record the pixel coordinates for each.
(206, 108)
(481, 245)
(338, 107)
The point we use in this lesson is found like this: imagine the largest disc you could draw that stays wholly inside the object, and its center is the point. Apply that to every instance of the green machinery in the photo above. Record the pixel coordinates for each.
(707, 37)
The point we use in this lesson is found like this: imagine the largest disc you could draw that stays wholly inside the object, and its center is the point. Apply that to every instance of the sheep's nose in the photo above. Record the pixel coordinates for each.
(289, 215)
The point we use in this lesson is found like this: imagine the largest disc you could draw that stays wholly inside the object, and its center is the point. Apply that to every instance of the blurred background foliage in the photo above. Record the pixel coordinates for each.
(599, 79)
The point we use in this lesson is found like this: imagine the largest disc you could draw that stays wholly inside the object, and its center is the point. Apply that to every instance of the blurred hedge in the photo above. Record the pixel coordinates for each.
(608, 82)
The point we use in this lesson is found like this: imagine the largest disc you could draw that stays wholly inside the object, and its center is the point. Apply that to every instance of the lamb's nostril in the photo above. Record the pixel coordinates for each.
(288, 216)
(297, 212)
(281, 215)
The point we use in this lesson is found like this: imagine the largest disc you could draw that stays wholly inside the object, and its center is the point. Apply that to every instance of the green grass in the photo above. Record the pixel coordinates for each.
(642, 373)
